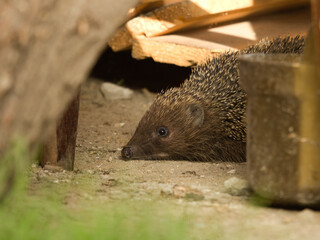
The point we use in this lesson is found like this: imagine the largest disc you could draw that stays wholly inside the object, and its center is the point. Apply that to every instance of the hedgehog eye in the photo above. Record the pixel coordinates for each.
(162, 132)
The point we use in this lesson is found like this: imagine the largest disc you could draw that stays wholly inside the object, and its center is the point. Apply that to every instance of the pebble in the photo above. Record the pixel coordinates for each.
(237, 187)
(232, 171)
(166, 191)
(119, 124)
(112, 91)
(179, 191)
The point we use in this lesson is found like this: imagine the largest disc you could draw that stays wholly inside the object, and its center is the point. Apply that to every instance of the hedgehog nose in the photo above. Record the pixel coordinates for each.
(126, 152)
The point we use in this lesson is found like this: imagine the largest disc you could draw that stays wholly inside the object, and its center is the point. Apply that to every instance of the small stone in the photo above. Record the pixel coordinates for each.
(112, 91)
(179, 191)
(187, 193)
(119, 124)
(166, 191)
(232, 171)
(237, 187)
(56, 181)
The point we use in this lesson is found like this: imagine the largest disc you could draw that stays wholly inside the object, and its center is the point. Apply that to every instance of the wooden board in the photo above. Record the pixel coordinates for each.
(188, 48)
(169, 15)
(191, 14)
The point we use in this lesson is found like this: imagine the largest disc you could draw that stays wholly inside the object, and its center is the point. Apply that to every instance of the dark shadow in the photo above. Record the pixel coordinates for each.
(122, 69)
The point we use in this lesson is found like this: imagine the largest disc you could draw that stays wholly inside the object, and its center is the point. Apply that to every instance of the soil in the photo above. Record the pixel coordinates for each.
(197, 187)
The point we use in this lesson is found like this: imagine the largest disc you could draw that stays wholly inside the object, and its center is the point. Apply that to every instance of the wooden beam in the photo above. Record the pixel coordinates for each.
(192, 47)
(172, 12)
(230, 15)
(59, 150)
(193, 14)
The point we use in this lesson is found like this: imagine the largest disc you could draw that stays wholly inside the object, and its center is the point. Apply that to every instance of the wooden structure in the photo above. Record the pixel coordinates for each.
(59, 149)
(186, 33)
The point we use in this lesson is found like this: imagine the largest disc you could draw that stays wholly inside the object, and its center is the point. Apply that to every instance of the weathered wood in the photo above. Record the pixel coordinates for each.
(50, 151)
(191, 14)
(46, 50)
(188, 48)
(169, 52)
(121, 40)
(171, 13)
(231, 15)
(59, 149)
(67, 135)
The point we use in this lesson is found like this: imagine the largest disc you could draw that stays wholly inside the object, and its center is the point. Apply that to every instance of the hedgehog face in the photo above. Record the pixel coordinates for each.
(164, 130)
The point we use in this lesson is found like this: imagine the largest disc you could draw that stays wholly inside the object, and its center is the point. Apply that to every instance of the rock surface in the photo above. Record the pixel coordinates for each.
(237, 187)
(112, 91)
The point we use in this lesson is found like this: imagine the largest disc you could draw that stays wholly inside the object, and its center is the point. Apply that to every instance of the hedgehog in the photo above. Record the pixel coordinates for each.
(205, 118)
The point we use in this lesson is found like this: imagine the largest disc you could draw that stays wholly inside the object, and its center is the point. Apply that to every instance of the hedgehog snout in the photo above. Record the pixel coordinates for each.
(127, 152)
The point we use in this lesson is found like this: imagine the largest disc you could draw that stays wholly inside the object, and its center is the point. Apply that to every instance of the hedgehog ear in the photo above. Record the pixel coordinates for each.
(196, 113)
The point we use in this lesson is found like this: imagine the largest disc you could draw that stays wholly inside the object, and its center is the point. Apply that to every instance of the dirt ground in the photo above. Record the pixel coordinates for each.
(196, 187)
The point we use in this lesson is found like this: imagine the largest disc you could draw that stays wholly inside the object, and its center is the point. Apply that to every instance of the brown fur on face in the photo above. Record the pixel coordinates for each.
(190, 134)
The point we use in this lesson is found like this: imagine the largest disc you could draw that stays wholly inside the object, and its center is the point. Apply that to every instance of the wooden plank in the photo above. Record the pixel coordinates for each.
(188, 48)
(169, 52)
(50, 151)
(174, 11)
(67, 135)
(191, 14)
(122, 39)
(59, 150)
(145, 6)
(231, 15)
